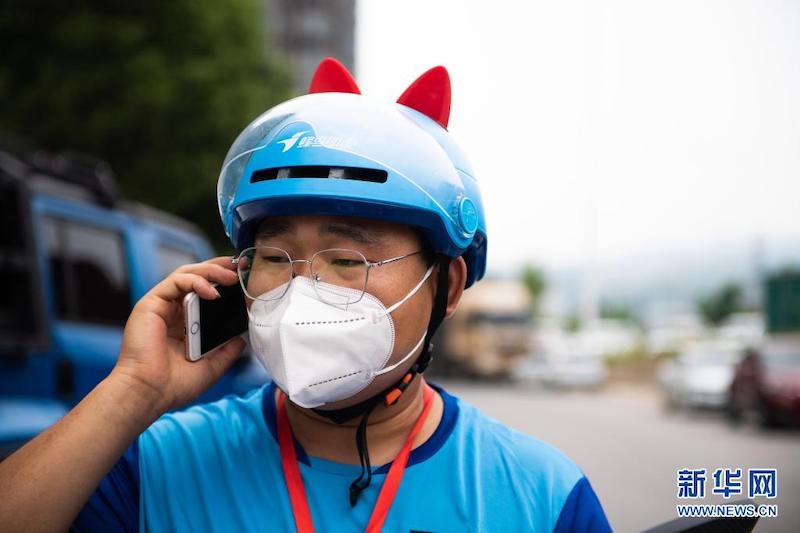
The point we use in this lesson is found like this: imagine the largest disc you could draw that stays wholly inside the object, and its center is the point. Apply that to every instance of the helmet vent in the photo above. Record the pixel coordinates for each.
(334, 173)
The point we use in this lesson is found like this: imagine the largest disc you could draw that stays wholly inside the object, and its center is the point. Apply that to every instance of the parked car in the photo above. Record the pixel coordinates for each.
(746, 328)
(767, 383)
(564, 361)
(74, 257)
(564, 373)
(700, 377)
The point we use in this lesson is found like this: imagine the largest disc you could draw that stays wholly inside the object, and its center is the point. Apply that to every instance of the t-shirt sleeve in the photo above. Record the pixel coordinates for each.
(114, 505)
(582, 511)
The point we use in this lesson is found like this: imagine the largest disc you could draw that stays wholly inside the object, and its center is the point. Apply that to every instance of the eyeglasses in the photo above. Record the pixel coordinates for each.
(265, 272)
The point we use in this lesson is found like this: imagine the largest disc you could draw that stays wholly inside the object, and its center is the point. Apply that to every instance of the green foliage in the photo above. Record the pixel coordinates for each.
(535, 283)
(620, 312)
(720, 304)
(158, 89)
(572, 323)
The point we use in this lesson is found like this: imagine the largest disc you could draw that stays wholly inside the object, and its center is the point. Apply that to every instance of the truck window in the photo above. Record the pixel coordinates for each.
(170, 258)
(89, 274)
(23, 321)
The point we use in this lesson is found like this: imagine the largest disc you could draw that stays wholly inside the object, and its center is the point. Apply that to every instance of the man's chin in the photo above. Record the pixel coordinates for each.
(348, 402)
(377, 386)
(373, 389)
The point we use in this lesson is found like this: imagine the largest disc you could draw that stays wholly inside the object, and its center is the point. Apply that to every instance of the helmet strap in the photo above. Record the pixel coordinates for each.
(391, 395)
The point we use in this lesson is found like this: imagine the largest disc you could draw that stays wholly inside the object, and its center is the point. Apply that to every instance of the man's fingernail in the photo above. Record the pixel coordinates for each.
(217, 293)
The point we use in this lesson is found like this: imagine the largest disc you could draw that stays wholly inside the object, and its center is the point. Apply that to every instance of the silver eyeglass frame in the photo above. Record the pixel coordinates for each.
(315, 279)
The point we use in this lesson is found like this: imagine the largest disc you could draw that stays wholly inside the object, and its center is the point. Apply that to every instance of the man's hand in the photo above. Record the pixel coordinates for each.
(152, 358)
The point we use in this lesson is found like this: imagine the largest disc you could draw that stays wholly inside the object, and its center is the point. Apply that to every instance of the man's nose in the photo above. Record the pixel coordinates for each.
(301, 267)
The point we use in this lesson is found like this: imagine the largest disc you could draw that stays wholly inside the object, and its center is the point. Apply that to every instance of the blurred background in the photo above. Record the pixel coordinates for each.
(640, 168)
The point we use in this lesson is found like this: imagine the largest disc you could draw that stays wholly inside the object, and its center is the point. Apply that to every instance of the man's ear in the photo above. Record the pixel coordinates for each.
(457, 276)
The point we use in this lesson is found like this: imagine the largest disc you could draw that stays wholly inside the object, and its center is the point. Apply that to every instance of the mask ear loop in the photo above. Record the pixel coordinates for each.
(410, 294)
(404, 359)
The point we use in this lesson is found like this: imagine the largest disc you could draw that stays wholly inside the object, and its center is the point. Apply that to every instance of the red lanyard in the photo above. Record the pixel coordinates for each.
(294, 482)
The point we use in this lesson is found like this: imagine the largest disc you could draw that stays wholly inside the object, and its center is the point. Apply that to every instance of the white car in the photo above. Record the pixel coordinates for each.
(566, 373)
(701, 376)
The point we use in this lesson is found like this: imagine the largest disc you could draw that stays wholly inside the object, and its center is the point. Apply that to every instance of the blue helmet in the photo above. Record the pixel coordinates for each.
(336, 152)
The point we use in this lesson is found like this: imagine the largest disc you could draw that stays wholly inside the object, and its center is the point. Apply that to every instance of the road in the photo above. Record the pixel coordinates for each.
(631, 449)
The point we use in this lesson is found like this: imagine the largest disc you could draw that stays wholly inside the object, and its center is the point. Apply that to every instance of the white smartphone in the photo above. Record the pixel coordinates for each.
(211, 323)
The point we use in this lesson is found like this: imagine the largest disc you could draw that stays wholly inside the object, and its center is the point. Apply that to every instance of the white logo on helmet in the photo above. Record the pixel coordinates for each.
(291, 141)
(309, 141)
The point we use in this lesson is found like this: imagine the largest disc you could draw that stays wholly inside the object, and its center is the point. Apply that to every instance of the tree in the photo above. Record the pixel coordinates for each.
(158, 89)
(722, 303)
(618, 311)
(534, 281)
(572, 323)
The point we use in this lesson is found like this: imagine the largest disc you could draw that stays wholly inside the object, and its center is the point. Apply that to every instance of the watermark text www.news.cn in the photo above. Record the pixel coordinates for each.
(727, 482)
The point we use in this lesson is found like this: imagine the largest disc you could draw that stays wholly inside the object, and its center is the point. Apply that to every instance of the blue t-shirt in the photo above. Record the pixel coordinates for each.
(217, 467)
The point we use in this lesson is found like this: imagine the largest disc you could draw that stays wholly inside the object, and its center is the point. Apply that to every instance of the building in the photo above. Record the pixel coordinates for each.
(306, 31)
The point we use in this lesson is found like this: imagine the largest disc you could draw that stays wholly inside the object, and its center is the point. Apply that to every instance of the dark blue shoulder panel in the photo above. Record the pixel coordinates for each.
(114, 505)
(582, 511)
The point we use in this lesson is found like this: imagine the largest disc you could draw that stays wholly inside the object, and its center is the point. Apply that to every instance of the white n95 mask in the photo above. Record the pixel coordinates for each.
(320, 353)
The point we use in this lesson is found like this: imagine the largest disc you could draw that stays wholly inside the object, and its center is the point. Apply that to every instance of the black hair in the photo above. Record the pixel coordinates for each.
(428, 255)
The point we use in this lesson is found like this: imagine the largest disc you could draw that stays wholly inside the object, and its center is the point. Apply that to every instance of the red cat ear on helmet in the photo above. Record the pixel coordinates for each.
(332, 77)
(430, 95)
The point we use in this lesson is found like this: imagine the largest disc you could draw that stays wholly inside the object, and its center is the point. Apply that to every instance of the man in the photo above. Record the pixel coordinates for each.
(359, 225)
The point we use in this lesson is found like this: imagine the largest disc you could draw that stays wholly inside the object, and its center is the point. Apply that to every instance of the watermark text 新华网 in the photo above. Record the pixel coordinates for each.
(727, 482)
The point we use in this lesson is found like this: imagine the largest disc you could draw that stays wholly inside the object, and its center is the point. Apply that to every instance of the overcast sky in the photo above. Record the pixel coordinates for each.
(609, 128)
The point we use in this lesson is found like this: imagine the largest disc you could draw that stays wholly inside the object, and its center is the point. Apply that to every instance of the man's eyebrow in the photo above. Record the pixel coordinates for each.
(354, 232)
(274, 229)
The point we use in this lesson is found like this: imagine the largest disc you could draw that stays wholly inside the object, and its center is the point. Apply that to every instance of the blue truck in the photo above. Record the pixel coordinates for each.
(74, 258)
